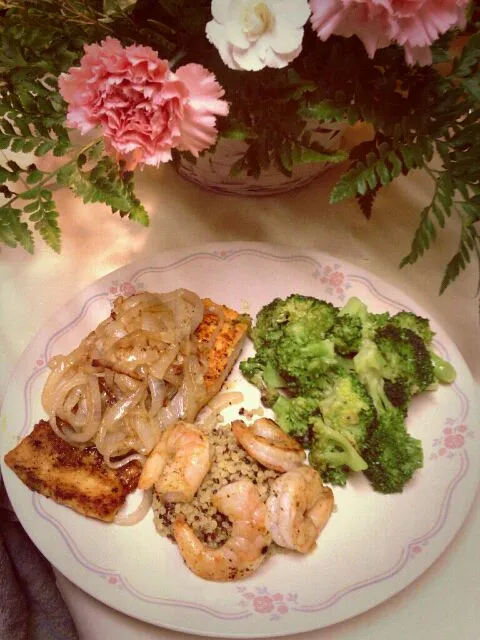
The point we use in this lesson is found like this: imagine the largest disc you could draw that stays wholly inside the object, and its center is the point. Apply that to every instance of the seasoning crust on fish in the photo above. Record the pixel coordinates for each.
(77, 478)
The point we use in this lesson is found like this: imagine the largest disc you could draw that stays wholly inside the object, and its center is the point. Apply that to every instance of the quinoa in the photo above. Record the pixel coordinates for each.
(230, 462)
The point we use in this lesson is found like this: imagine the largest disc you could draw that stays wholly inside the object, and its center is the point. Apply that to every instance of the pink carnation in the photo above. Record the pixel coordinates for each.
(144, 109)
(413, 24)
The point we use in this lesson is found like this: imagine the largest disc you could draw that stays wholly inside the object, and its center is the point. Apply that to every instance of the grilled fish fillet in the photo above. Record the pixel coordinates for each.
(227, 345)
(79, 478)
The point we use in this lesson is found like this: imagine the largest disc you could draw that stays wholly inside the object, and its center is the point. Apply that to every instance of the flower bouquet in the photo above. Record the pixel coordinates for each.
(143, 82)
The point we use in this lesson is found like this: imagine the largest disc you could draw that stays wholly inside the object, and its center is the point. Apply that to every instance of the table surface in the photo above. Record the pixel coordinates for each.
(442, 603)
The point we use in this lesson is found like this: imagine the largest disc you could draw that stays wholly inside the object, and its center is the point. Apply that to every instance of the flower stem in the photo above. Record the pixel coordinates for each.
(178, 57)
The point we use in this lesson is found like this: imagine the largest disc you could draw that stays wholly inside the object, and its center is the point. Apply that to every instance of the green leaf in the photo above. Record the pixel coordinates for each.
(17, 145)
(396, 164)
(234, 134)
(4, 141)
(139, 214)
(29, 194)
(324, 111)
(44, 147)
(472, 85)
(310, 154)
(65, 175)
(383, 172)
(30, 208)
(420, 242)
(13, 231)
(34, 176)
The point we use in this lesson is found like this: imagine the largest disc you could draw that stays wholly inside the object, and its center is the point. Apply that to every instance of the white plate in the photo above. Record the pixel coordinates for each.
(373, 546)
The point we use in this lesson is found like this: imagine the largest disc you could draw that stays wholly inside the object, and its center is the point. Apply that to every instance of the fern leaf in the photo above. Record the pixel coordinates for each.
(13, 231)
(366, 201)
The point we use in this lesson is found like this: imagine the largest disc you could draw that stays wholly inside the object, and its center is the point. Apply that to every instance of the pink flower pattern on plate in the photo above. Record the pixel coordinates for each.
(334, 280)
(124, 289)
(452, 439)
(261, 601)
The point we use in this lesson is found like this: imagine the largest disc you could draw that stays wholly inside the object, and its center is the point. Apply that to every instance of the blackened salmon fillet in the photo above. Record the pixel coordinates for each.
(77, 478)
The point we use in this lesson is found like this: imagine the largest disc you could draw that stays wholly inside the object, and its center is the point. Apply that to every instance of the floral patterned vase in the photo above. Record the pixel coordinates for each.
(212, 170)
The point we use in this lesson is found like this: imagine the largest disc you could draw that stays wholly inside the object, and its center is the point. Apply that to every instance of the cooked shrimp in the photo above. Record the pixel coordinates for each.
(298, 508)
(268, 444)
(178, 463)
(244, 551)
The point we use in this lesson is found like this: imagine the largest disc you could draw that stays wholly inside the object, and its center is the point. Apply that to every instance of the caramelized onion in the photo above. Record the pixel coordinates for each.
(139, 371)
(128, 519)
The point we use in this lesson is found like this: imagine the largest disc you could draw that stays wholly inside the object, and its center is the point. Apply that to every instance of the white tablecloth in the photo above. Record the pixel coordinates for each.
(444, 603)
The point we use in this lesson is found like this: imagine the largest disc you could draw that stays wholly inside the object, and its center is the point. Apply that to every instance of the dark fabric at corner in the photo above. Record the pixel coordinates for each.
(31, 607)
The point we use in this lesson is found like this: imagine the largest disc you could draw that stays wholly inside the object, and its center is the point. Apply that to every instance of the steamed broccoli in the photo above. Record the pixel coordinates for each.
(353, 325)
(332, 453)
(295, 414)
(268, 326)
(300, 360)
(296, 316)
(347, 334)
(406, 356)
(391, 377)
(443, 371)
(347, 407)
(340, 381)
(303, 315)
(391, 453)
(339, 425)
(259, 371)
(289, 338)
(371, 367)
(417, 324)
(394, 366)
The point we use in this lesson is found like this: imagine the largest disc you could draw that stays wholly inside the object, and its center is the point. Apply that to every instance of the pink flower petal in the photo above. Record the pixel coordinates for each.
(197, 128)
(413, 24)
(143, 108)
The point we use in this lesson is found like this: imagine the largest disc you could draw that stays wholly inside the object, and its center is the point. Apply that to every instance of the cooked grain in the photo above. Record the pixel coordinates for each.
(230, 462)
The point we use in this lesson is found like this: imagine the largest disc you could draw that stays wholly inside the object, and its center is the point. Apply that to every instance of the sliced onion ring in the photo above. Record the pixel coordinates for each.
(136, 516)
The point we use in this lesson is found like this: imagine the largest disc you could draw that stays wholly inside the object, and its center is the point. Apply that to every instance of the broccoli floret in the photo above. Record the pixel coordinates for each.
(294, 415)
(443, 371)
(347, 334)
(407, 357)
(299, 361)
(268, 324)
(338, 437)
(305, 316)
(336, 475)
(398, 394)
(331, 450)
(297, 315)
(347, 407)
(391, 453)
(417, 324)
(394, 366)
(262, 374)
(353, 325)
(370, 367)
(289, 335)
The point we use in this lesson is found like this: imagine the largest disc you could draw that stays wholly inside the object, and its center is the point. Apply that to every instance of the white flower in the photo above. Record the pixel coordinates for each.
(253, 34)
